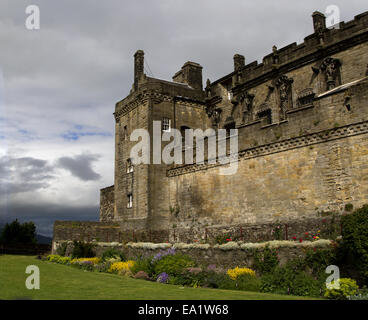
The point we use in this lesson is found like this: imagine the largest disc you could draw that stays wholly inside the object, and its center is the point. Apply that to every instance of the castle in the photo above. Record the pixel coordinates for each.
(302, 121)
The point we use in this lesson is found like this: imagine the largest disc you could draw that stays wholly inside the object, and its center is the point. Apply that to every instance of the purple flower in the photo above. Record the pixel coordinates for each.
(163, 277)
(87, 263)
(160, 255)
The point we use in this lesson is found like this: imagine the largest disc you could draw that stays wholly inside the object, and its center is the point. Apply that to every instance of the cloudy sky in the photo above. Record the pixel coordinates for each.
(59, 84)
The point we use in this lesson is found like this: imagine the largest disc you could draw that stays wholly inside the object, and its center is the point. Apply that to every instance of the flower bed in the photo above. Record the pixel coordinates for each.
(171, 267)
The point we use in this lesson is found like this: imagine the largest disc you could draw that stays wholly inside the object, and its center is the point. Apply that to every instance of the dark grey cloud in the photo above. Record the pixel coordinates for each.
(28, 174)
(24, 174)
(80, 166)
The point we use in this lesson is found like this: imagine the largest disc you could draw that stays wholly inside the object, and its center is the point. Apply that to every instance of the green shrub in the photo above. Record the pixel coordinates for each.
(53, 258)
(348, 287)
(349, 207)
(61, 250)
(305, 285)
(193, 277)
(285, 280)
(318, 260)
(216, 280)
(355, 240)
(173, 265)
(266, 260)
(211, 279)
(243, 282)
(83, 250)
(113, 254)
(143, 264)
(64, 260)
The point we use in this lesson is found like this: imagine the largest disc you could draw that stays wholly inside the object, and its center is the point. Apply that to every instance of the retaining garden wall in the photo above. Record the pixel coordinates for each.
(228, 255)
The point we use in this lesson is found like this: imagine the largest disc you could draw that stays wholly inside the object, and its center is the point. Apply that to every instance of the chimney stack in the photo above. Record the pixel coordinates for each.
(138, 67)
(191, 74)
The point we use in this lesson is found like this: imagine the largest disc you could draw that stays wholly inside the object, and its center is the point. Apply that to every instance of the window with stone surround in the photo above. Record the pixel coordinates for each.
(166, 124)
(125, 132)
(130, 200)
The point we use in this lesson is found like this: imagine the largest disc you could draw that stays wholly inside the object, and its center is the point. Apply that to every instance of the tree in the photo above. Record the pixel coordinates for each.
(15, 232)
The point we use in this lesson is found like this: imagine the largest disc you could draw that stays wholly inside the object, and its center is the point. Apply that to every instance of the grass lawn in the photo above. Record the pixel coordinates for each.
(60, 282)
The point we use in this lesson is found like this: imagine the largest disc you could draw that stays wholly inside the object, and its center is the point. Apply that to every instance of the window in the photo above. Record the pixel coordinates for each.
(306, 97)
(130, 167)
(130, 201)
(266, 116)
(125, 132)
(166, 124)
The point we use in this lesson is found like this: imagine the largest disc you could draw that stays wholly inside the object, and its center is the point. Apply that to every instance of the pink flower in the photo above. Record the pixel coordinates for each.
(294, 238)
(300, 240)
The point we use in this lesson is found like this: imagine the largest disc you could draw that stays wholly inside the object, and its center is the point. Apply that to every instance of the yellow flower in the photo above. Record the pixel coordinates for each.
(236, 272)
(94, 260)
(122, 267)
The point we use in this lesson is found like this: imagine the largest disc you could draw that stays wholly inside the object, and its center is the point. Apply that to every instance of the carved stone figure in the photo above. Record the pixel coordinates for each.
(330, 67)
(246, 101)
(284, 97)
(284, 86)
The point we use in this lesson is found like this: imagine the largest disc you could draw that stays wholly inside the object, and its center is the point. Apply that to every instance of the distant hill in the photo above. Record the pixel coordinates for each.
(40, 238)
(43, 239)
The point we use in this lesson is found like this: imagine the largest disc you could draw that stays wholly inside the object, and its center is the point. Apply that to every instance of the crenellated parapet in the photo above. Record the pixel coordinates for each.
(291, 77)
(344, 36)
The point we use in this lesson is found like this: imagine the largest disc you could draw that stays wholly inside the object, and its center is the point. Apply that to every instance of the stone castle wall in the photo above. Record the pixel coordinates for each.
(87, 231)
(311, 159)
(285, 180)
(302, 120)
(107, 204)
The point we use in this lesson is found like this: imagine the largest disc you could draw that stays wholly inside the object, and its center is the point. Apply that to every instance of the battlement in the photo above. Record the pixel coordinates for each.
(321, 42)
